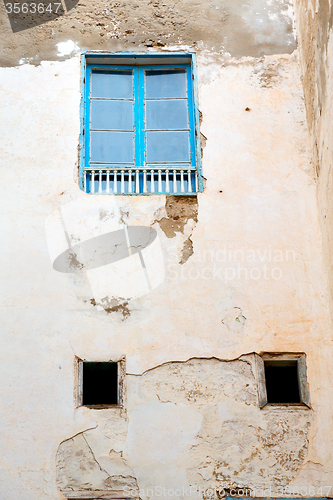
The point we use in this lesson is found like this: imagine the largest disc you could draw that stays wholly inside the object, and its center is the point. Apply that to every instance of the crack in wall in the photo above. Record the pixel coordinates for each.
(91, 451)
(204, 410)
(241, 357)
(79, 471)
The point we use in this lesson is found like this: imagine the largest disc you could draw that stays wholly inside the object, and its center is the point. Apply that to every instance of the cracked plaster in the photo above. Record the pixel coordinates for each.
(203, 413)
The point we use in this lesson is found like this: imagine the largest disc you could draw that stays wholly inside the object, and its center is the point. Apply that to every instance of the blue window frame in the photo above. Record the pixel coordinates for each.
(139, 131)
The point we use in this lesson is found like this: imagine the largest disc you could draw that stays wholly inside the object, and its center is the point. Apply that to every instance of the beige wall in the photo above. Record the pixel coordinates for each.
(238, 271)
(315, 44)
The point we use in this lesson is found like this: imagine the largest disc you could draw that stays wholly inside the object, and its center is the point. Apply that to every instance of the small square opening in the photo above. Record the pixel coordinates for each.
(100, 383)
(282, 382)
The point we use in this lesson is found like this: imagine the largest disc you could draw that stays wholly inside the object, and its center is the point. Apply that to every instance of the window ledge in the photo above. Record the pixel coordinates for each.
(284, 406)
(101, 407)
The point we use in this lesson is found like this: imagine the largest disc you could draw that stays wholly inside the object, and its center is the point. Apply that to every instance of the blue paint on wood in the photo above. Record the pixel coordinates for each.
(139, 107)
(197, 121)
(82, 120)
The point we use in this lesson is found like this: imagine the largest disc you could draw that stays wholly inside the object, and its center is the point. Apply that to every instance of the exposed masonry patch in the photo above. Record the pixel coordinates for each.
(187, 251)
(244, 447)
(179, 209)
(124, 216)
(203, 138)
(73, 262)
(78, 471)
(250, 455)
(113, 305)
(201, 381)
(233, 444)
(203, 142)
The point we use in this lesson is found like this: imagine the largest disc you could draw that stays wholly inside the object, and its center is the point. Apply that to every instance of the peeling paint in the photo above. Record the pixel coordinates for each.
(187, 251)
(179, 210)
(113, 305)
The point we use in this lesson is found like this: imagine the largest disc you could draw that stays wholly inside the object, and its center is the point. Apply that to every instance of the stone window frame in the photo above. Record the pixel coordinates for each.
(78, 386)
(300, 357)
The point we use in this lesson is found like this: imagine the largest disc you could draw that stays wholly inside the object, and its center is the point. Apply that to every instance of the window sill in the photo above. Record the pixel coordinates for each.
(100, 407)
(284, 406)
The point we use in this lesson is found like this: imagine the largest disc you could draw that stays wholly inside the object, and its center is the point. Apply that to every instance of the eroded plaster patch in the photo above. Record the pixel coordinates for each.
(78, 471)
(113, 305)
(199, 421)
(179, 210)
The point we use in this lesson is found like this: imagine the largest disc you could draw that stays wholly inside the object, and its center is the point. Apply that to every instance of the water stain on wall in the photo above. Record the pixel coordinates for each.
(252, 28)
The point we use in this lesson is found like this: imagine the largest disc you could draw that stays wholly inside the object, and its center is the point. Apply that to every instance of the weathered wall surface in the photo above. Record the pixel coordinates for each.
(252, 28)
(235, 271)
(314, 25)
(197, 420)
(253, 283)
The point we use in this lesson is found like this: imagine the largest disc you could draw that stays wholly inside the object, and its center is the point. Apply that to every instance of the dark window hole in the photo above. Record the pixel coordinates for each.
(100, 383)
(282, 382)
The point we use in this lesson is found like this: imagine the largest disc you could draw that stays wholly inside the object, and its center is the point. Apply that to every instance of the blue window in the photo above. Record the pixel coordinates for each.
(139, 125)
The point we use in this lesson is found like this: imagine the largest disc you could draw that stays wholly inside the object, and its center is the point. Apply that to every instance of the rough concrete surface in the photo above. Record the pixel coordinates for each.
(200, 420)
(314, 26)
(238, 27)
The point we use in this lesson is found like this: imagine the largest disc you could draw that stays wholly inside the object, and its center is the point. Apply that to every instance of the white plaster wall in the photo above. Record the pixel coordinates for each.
(260, 199)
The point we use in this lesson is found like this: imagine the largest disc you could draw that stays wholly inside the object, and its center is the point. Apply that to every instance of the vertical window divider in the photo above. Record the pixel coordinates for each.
(87, 131)
(141, 104)
(137, 151)
(191, 118)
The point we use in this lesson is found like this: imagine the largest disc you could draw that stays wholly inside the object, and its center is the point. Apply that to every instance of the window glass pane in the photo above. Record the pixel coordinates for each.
(112, 147)
(165, 83)
(115, 115)
(167, 146)
(112, 84)
(163, 115)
